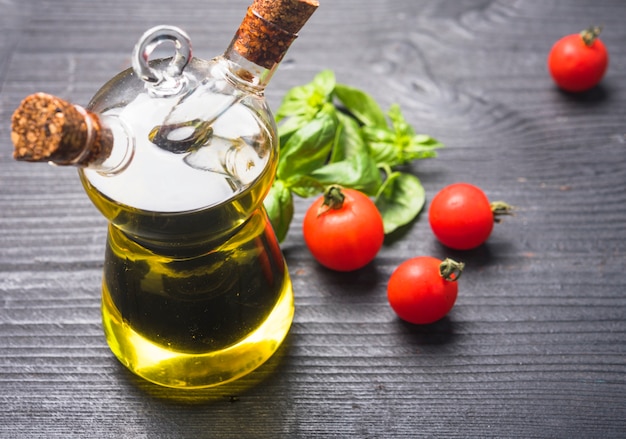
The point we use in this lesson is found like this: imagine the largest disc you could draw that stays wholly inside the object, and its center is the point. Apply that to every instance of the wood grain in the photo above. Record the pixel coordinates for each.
(536, 344)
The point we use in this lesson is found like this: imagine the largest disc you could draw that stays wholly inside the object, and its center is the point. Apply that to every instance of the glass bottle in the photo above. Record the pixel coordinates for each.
(178, 155)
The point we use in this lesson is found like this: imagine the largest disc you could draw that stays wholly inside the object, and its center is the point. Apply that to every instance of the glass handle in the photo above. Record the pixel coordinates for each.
(165, 79)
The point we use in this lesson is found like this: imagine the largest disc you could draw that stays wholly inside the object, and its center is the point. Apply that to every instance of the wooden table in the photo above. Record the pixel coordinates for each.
(536, 344)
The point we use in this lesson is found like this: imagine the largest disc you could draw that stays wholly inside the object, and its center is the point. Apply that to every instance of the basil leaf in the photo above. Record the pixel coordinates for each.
(400, 200)
(309, 147)
(290, 126)
(409, 146)
(279, 206)
(359, 172)
(398, 122)
(421, 146)
(361, 105)
(306, 100)
(419, 149)
(399, 144)
(305, 186)
(381, 144)
(349, 141)
(324, 83)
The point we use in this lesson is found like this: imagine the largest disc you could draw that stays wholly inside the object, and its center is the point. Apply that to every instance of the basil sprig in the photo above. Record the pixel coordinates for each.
(333, 134)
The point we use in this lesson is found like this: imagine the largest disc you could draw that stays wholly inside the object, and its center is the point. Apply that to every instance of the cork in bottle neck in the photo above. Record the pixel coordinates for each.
(49, 129)
(269, 28)
(46, 128)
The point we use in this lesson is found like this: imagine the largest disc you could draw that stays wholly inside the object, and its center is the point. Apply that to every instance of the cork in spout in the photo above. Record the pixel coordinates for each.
(290, 15)
(49, 129)
(269, 28)
(46, 128)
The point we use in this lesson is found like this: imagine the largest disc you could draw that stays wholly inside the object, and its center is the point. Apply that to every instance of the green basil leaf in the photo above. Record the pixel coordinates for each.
(398, 122)
(419, 149)
(359, 172)
(305, 186)
(324, 82)
(361, 105)
(349, 141)
(409, 146)
(306, 100)
(381, 144)
(290, 126)
(309, 147)
(400, 200)
(279, 206)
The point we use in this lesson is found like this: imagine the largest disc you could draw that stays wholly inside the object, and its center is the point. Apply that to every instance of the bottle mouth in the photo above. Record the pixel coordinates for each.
(84, 154)
(124, 151)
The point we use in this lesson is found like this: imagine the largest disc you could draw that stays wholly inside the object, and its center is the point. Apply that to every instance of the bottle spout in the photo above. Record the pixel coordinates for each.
(46, 128)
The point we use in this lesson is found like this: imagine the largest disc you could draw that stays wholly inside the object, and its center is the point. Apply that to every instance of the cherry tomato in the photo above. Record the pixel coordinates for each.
(577, 62)
(423, 290)
(343, 229)
(461, 216)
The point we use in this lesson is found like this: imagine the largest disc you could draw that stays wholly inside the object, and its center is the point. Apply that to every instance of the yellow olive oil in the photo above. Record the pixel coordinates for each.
(196, 322)
(198, 314)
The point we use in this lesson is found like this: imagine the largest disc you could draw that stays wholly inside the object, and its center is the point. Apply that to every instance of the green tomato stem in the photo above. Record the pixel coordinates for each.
(451, 270)
(590, 34)
(499, 208)
(333, 199)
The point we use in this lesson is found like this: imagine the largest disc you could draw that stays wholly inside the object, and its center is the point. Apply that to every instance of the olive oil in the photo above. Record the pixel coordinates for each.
(196, 321)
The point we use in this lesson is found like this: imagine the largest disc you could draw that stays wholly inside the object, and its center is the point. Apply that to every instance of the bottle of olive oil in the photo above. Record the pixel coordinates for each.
(178, 155)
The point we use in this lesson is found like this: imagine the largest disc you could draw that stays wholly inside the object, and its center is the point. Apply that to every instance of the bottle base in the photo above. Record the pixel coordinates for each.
(182, 370)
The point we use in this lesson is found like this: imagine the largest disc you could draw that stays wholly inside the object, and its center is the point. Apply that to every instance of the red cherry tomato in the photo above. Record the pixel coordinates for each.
(343, 229)
(578, 62)
(461, 216)
(422, 290)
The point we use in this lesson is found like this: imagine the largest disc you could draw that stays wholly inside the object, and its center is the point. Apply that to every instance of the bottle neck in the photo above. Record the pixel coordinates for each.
(256, 49)
(46, 128)
(245, 74)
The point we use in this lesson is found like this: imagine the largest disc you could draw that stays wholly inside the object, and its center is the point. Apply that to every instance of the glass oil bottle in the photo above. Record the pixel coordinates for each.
(178, 155)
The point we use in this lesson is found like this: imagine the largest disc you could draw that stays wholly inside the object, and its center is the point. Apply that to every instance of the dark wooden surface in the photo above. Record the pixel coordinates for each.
(534, 348)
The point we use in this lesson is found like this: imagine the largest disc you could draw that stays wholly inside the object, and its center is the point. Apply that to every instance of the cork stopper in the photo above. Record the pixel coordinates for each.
(269, 28)
(289, 15)
(48, 129)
